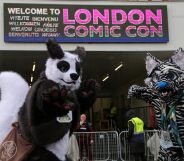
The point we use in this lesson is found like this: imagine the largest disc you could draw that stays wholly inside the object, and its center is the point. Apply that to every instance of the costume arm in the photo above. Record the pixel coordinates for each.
(87, 94)
(38, 117)
(143, 93)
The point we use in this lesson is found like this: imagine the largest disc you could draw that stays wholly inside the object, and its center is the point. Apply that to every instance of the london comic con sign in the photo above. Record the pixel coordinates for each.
(85, 23)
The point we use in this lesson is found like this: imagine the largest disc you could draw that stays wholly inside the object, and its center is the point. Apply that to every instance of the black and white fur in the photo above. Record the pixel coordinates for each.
(59, 92)
(172, 73)
(70, 78)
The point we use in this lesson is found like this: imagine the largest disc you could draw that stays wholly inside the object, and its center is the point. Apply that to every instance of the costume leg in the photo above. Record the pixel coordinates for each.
(177, 154)
(172, 154)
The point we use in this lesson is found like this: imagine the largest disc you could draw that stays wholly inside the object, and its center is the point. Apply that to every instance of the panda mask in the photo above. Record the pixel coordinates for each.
(64, 68)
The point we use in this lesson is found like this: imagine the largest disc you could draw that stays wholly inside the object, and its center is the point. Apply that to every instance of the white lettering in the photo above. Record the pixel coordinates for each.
(26, 11)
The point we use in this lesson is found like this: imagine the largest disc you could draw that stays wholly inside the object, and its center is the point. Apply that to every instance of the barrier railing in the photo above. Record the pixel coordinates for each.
(124, 147)
(108, 145)
(152, 144)
(98, 145)
(93, 145)
(114, 146)
(151, 139)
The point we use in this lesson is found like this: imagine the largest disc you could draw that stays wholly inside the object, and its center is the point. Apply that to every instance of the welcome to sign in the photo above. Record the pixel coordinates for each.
(85, 23)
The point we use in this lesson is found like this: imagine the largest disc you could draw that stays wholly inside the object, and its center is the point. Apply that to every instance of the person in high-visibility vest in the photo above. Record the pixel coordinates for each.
(136, 136)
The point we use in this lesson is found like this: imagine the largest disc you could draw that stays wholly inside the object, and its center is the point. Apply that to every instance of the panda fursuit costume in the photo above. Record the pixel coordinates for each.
(51, 109)
(165, 91)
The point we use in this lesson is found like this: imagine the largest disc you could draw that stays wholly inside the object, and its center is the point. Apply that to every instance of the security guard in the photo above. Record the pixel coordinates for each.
(136, 136)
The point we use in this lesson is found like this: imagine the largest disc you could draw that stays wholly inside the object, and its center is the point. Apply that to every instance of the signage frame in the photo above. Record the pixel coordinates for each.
(23, 22)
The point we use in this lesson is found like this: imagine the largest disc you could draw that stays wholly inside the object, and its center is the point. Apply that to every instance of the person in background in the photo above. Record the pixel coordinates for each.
(85, 139)
(136, 136)
(113, 115)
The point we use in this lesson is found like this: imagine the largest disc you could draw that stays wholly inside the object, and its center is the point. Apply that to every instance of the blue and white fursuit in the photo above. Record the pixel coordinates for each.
(165, 91)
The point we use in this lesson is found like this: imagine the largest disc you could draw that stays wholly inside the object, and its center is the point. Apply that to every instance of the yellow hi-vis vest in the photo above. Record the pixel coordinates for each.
(138, 125)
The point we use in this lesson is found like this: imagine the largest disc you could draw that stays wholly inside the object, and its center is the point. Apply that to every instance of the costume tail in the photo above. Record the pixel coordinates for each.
(13, 91)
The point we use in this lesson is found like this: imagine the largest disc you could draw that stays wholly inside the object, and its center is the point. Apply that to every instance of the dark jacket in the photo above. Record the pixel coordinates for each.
(136, 142)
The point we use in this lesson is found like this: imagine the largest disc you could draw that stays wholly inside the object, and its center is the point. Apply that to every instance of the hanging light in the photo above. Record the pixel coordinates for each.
(31, 80)
(119, 66)
(104, 79)
(34, 66)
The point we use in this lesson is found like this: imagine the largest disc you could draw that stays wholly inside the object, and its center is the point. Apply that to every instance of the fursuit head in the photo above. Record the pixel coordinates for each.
(48, 112)
(165, 91)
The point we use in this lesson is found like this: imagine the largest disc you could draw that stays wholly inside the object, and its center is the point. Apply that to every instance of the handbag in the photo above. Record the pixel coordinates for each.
(14, 147)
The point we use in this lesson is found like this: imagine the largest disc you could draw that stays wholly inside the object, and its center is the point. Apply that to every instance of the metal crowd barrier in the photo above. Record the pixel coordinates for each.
(114, 146)
(98, 146)
(109, 146)
(152, 144)
(124, 146)
(151, 152)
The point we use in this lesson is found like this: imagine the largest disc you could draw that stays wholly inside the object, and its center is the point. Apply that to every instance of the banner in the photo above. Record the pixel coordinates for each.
(85, 23)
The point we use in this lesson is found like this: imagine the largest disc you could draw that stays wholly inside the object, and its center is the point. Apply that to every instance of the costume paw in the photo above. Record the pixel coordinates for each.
(51, 94)
(134, 90)
(68, 106)
(87, 94)
(88, 87)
